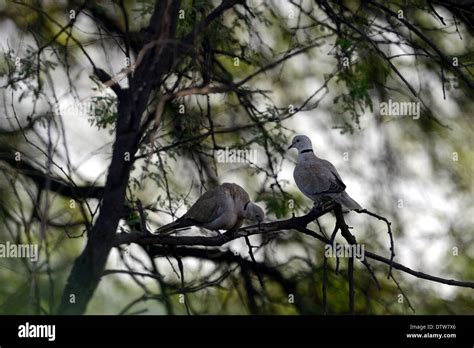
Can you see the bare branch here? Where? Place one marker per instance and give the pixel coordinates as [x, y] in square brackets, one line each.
[294, 223]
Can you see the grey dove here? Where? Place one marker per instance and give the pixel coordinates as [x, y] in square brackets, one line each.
[223, 208]
[317, 178]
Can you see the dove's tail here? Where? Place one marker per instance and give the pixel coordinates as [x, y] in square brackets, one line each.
[346, 201]
[175, 225]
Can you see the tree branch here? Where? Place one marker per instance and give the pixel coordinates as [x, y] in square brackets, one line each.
[294, 223]
[89, 266]
[43, 180]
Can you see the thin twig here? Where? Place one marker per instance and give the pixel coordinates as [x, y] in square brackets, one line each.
[350, 276]
[142, 217]
[325, 279]
[403, 293]
[389, 231]
[181, 271]
[259, 276]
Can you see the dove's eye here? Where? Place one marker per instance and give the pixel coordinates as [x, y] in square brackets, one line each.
[298, 141]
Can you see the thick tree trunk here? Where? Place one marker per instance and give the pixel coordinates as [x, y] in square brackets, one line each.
[89, 266]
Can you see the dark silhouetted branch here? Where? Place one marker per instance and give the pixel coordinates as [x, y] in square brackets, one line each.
[294, 223]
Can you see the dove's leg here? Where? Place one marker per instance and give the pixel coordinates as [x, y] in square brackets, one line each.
[323, 203]
[334, 233]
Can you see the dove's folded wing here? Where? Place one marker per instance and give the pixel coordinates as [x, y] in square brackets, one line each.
[208, 207]
[314, 178]
[333, 170]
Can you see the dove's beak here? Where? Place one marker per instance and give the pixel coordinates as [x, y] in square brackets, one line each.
[289, 147]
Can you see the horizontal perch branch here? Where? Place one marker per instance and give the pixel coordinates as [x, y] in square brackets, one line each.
[396, 265]
[276, 226]
[295, 223]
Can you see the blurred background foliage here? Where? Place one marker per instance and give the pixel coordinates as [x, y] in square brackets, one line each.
[416, 172]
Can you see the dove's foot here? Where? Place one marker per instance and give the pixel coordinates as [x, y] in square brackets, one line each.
[324, 205]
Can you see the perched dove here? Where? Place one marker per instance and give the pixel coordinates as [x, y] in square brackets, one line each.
[223, 208]
[318, 179]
